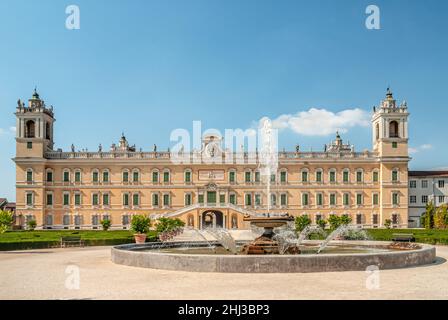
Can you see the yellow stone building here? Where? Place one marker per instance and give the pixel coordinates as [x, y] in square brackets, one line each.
[77, 189]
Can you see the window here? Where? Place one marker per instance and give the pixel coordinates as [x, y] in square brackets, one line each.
[135, 176]
[49, 220]
[105, 199]
[395, 198]
[29, 145]
[304, 176]
[126, 199]
[375, 218]
[29, 175]
[424, 183]
[95, 176]
[166, 176]
[95, 220]
[394, 218]
[394, 176]
[375, 176]
[359, 176]
[359, 200]
[283, 199]
[222, 198]
[318, 217]
[319, 176]
[125, 220]
[248, 199]
[232, 198]
[332, 176]
[106, 176]
[441, 183]
[305, 200]
[66, 220]
[346, 199]
[49, 199]
[394, 145]
[155, 200]
[77, 199]
[375, 199]
[393, 129]
[30, 129]
[359, 218]
[332, 199]
[283, 176]
[188, 199]
[412, 184]
[413, 199]
[273, 177]
[257, 199]
[155, 177]
[257, 176]
[247, 176]
[441, 199]
[273, 200]
[201, 198]
[66, 199]
[345, 176]
[187, 176]
[166, 199]
[78, 176]
[232, 176]
[95, 199]
[319, 199]
[135, 199]
[66, 176]
[125, 176]
[49, 176]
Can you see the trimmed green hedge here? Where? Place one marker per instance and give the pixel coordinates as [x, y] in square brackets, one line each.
[23, 240]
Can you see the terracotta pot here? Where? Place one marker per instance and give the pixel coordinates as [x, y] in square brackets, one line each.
[140, 238]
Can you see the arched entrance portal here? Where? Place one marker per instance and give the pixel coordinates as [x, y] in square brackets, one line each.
[212, 219]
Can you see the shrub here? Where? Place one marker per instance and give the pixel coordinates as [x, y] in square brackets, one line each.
[387, 223]
[106, 223]
[140, 224]
[429, 216]
[334, 221]
[6, 220]
[441, 217]
[322, 223]
[301, 222]
[345, 219]
[31, 224]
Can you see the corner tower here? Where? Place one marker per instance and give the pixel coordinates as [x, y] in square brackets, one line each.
[390, 128]
[34, 124]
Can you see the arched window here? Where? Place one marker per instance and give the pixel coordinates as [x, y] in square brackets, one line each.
[30, 131]
[47, 131]
[135, 175]
[393, 129]
[377, 131]
[29, 175]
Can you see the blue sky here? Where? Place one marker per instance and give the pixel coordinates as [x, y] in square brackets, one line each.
[148, 67]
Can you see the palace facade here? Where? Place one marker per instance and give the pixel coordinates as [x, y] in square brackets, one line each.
[77, 189]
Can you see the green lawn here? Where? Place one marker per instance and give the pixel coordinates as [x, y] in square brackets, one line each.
[421, 235]
[16, 240]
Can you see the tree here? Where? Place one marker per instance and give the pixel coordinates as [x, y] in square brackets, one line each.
[345, 219]
[302, 222]
[441, 217]
[31, 224]
[106, 223]
[322, 223]
[429, 215]
[334, 221]
[6, 220]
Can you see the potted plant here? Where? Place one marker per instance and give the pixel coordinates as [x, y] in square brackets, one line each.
[140, 226]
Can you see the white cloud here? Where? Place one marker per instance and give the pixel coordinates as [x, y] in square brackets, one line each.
[413, 150]
[13, 129]
[321, 122]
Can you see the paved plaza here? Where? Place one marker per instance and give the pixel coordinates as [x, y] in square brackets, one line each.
[50, 274]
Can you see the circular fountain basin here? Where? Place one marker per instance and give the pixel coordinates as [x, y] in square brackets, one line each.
[350, 256]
